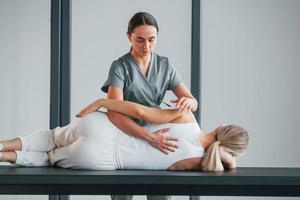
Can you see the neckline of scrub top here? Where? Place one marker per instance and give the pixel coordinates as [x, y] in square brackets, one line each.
[147, 77]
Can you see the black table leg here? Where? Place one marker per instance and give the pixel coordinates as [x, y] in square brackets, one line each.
[59, 197]
[195, 198]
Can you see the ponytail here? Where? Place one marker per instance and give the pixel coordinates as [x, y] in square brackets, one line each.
[212, 161]
[233, 138]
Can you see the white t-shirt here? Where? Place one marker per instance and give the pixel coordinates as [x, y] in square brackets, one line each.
[136, 153]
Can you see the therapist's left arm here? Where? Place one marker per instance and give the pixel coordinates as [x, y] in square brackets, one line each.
[185, 98]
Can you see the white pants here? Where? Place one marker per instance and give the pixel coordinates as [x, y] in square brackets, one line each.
[87, 143]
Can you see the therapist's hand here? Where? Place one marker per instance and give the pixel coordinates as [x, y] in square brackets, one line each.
[163, 142]
[185, 103]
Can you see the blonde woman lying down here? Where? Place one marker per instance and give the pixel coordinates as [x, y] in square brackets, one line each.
[93, 142]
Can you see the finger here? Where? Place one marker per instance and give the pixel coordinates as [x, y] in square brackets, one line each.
[167, 148]
[173, 100]
[171, 144]
[171, 138]
[179, 102]
[185, 102]
[80, 114]
[188, 106]
[164, 130]
[164, 150]
[83, 112]
[159, 147]
[183, 107]
[188, 109]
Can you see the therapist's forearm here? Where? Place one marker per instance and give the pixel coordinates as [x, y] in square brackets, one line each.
[128, 126]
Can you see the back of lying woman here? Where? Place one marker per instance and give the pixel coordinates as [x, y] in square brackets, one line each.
[93, 142]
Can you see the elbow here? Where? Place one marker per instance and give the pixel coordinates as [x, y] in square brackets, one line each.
[139, 113]
[113, 116]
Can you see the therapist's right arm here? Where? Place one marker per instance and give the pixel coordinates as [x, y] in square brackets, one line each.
[157, 139]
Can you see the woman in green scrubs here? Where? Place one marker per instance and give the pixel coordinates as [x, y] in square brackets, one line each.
[143, 76]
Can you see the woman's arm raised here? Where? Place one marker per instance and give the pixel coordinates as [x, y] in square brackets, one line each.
[152, 115]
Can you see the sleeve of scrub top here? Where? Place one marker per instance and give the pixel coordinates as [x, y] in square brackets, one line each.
[174, 78]
[116, 77]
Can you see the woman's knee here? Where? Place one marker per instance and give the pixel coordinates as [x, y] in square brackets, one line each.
[38, 141]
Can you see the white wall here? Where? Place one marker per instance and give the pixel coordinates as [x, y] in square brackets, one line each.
[24, 65]
[250, 76]
[24, 70]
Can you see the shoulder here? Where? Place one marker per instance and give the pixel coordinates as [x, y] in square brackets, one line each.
[163, 61]
[124, 58]
[160, 58]
[123, 63]
[119, 64]
[121, 60]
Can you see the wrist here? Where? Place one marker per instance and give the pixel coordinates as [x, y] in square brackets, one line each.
[99, 103]
[149, 137]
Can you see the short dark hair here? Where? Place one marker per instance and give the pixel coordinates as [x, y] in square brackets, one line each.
[141, 18]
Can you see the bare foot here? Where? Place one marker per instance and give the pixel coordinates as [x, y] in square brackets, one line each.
[10, 145]
[9, 156]
[227, 158]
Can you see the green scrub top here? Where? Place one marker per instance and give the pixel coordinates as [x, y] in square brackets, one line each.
[146, 90]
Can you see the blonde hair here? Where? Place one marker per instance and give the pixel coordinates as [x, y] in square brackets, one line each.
[233, 138]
